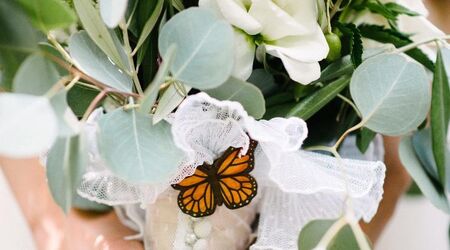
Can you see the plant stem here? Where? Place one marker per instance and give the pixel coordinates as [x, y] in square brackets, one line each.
[73, 82]
[60, 49]
[128, 51]
[57, 86]
[349, 102]
[348, 131]
[416, 44]
[93, 104]
[331, 233]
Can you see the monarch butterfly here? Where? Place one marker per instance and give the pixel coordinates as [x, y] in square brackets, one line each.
[227, 181]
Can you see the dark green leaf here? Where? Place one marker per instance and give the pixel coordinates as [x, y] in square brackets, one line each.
[384, 35]
[377, 7]
[79, 97]
[313, 103]
[356, 48]
[263, 80]
[400, 9]
[48, 14]
[440, 115]
[364, 138]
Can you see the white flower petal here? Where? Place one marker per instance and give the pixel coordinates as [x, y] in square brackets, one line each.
[244, 53]
[304, 11]
[276, 22]
[235, 13]
[301, 72]
[310, 48]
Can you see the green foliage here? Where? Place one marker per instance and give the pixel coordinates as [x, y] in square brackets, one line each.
[355, 43]
[79, 97]
[378, 89]
[364, 138]
[98, 32]
[136, 150]
[47, 15]
[420, 176]
[440, 115]
[170, 99]
[313, 232]
[66, 164]
[263, 80]
[150, 23]
[204, 57]
[335, 45]
[96, 64]
[398, 39]
[313, 103]
[245, 93]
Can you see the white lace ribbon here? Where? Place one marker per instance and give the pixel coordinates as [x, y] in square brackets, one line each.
[295, 186]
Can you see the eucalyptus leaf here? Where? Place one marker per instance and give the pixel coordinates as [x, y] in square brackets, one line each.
[48, 14]
[91, 60]
[150, 23]
[245, 93]
[68, 124]
[314, 102]
[112, 11]
[204, 57]
[23, 117]
[169, 100]
[426, 185]
[421, 141]
[392, 94]
[135, 149]
[66, 164]
[35, 76]
[440, 115]
[263, 80]
[313, 232]
[98, 32]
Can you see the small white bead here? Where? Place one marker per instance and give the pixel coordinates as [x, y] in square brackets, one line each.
[201, 244]
[190, 239]
[202, 228]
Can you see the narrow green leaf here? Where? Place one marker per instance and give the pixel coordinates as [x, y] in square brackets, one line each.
[313, 103]
[169, 100]
[421, 141]
[440, 115]
[414, 168]
[400, 9]
[245, 93]
[48, 14]
[66, 164]
[150, 24]
[364, 138]
[135, 149]
[151, 93]
[377, 7]
[98, 32]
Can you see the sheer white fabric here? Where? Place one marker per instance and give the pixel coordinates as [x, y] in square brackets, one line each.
[295, 186]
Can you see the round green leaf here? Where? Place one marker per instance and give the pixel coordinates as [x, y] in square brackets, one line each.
[392, 94]
[243, 92]
[137, 150]
[204, 55]
[28, 126]
[35, 76]
[96, 64]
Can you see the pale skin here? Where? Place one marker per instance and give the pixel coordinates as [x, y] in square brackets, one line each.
[52, 230]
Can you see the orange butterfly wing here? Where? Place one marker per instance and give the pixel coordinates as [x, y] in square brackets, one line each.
[237, 186]
[196, 196]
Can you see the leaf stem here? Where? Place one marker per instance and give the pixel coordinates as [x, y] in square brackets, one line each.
[128, 51]
[416, 44]
[94, 104]
[60, 49]
[331, 233]
[349, 102]
[347, 132]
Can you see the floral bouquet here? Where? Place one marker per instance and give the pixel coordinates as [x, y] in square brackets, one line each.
[220, 124]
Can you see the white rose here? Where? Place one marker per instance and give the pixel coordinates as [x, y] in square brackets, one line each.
[287, 29]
